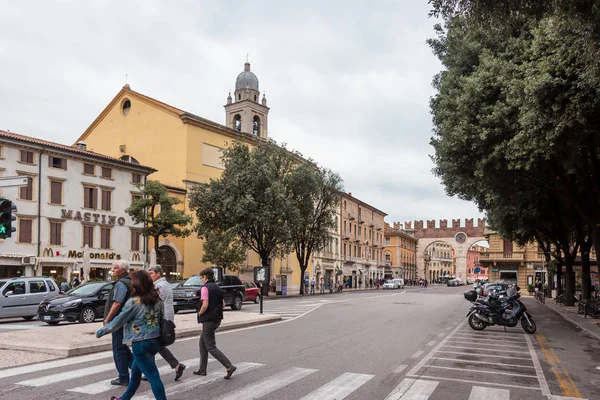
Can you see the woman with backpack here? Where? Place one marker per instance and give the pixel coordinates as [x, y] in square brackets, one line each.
[141, 318]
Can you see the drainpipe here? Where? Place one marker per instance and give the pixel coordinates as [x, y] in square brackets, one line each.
[39, 213]
[145, 226]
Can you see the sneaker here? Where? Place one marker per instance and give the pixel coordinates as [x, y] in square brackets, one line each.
[230, 371]
[115, 398]
[179, 371]
[117, 382]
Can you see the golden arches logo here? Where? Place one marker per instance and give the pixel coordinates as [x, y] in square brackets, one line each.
[48, 252]
[135, 257]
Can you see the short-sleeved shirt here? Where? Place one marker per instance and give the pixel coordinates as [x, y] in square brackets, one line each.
[204, 293]
[120, 292]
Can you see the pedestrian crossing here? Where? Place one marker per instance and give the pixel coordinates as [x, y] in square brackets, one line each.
[92, 382]
[291, 311]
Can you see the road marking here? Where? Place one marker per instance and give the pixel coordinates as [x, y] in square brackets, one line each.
[431, 343]
[5, 373]
[463, 337]
[448, 328]
[400, 368]
[413, 389]
[565, 382]
[16, 327]
[480, 371]
[440, 335]
[105, 385]
[489, 344]
[476, 382]
[484, 362]
[486, 393]
[417, 354]
[269, 385]
[484, 355]
[487, 349]
[193, 382]
[64, 376]
[339, 388]
[538, 368]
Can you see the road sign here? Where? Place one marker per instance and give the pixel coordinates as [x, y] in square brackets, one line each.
[477, 270]
[13, 181]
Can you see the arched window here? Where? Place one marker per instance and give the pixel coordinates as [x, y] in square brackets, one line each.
[237, 123]
[256, 126]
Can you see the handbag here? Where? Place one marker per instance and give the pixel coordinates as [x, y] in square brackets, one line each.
[167, 329]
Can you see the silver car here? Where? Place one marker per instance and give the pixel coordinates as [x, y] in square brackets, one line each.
[20, 297]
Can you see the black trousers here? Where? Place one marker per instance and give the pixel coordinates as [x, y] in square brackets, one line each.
[208, 345]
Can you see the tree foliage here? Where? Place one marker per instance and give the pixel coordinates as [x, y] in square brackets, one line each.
[156, 211]
[224, 249]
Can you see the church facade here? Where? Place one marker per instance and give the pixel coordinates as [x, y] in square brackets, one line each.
[185, 149]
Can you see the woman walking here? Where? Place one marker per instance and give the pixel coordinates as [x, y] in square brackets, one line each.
[141, 318]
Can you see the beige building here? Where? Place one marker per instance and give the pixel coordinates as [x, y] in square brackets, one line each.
[327, 263]
[399, 252]
[362, 231]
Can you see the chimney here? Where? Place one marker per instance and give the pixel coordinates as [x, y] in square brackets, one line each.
[81, 146]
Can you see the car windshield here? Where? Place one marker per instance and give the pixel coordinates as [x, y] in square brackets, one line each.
[193, 281]
[85, 290]
[2, 283]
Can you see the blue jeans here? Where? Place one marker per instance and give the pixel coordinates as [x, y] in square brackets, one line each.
[121, 355]
[144, 352]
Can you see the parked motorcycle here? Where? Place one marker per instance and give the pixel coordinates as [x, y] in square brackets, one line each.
[499, 310]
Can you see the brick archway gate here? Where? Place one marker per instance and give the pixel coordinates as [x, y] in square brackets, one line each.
[461, 238]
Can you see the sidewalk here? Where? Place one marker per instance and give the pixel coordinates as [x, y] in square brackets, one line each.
[76, 339]
[589, 325]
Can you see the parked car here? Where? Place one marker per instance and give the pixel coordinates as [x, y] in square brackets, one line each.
[390, 284]
[399, 282]
[175, 284]
[252, 291]
[186, 296]
[85, 304]
[21, 296]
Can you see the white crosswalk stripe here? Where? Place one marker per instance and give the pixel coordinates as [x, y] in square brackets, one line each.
[487, 393]
[269, 385]
[339, 388]
[293, 311]
[413, 389]
[63, 376]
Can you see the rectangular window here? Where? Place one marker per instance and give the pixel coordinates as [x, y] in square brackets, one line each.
[57, 162]
[136, 178]
[135, 240]
[105, 238]
[55, 192]
[134, 197]
[106, 199]
[27, 157]
[106, 172]
[25, 230]
[90, 197]
[88, 236]
[508, 246]
[26, 192]
[56, 233]
[89, 169]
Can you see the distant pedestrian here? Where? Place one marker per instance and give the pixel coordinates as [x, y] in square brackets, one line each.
[166, 295]
[64, 286]
[322, 286]
[115, 301]
[312, 286]
[210, 315]
[377, 282]
[140, 318]
[360, 283]
[330, 285]
[75, 282]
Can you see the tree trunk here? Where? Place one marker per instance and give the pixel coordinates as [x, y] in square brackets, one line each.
[569, 284]
[302, 270]
[264, 259]
[586, 279]
[559, 279]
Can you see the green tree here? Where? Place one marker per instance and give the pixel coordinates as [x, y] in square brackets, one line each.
[249, 199]
[224, 249]
[314, 195]
[155, 210]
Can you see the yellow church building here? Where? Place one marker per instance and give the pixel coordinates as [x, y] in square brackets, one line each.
[185, 149]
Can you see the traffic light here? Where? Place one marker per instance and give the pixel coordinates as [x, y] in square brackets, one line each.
[7, 210]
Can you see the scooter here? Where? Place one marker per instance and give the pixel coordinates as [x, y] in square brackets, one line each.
[492, 310]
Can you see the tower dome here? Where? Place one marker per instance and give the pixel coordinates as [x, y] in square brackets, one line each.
[246, 80]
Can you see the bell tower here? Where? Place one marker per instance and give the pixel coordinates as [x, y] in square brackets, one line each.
[246, 111]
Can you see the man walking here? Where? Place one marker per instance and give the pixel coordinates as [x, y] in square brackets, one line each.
[166, 295]
[117, 297]
[210, 314]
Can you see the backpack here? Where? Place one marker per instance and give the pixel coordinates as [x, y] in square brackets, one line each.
[167, 329]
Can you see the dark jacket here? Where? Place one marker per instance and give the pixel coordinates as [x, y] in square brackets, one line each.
[109, 302]
[214, 312]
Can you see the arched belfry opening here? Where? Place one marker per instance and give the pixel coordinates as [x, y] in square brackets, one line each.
[243, 111]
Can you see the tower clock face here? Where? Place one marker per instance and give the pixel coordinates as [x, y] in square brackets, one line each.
[460, 237]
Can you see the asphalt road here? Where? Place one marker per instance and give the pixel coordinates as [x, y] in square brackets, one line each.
[404, 344]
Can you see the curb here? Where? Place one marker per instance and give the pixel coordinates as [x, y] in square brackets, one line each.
[574, 322]
[183, 333]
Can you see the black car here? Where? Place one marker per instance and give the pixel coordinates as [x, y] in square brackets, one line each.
[185, 297]
[84, 303]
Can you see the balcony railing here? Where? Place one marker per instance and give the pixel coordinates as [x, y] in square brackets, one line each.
[498, 255]
[351, 215]
[347, 235]
[357, 237]
[377, 243]
[326, 255]
[371, 223]
[378, 226]
[361, 219]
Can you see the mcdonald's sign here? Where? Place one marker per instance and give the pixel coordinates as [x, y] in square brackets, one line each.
[135, 257]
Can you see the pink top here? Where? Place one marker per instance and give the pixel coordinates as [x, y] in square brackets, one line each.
[204, 293]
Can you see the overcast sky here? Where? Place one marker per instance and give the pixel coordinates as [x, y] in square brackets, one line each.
[348, 82]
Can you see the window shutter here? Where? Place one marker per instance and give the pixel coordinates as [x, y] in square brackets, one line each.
[94, 198]
[49, 161]
[56, 192]
[58, 233]
[64, 163]
[52, 233]
[86, 197]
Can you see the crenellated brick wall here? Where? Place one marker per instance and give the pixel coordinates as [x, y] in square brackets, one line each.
[429, 230]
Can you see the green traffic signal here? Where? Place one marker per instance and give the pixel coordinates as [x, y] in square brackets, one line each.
[6, 218]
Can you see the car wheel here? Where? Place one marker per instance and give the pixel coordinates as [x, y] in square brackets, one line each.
[257, 299]
[88, 315]
[237, 303]
[29, 317]
[54, 323]
[176, 311]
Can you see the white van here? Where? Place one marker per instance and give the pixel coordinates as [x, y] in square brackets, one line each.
[20, 297]
[399, 282]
